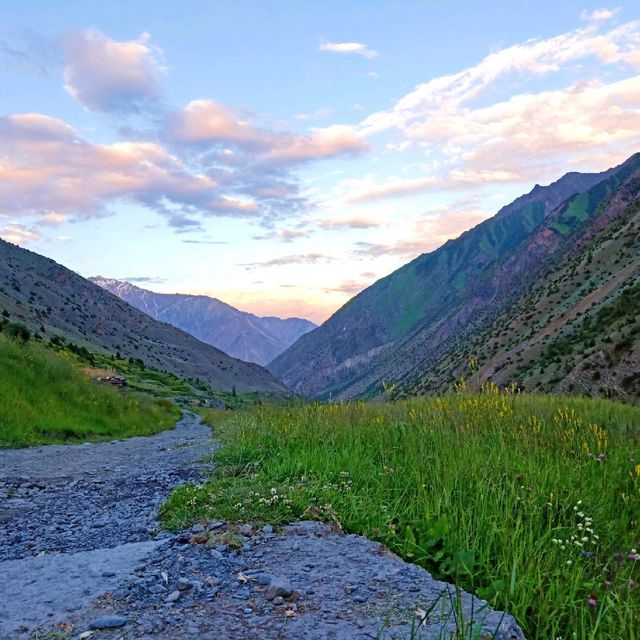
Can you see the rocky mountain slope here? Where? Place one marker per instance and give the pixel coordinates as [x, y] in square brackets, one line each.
[414, 327]
[53, 300]
[238, 333]
[576, 329]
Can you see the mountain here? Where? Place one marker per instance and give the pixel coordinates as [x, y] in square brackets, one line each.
[240, 334]
[417, 327]
[56, 301]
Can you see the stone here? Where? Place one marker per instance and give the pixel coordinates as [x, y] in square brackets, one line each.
[279, 586]
[278, 600]
[263, 579]
[108, 622]
[245, 530]
[173, 596]
[198, 528]
[184, 584]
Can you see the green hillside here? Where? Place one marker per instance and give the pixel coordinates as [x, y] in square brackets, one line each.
[416, 321]
[45, 398]
[576, 329]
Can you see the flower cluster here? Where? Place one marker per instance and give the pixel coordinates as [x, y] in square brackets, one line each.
[583, 535]
[270, 500]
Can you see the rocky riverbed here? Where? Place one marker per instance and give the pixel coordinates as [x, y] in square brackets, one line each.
[82, 556]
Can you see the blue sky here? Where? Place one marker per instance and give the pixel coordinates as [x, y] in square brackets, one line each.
[282, 156]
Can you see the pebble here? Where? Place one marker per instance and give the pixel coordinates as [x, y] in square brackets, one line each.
[184, 584]
[108, 622]
[198, 528]
[278, 600]
[173, 596]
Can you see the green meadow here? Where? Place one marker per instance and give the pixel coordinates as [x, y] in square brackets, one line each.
[531, 502]
[46, 398]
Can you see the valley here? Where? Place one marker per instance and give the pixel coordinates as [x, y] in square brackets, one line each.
[239, 334]
[493, 400]
[319, 321]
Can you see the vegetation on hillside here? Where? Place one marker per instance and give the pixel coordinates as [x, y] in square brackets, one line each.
[576, 330]
[45, 398]
[532, 502]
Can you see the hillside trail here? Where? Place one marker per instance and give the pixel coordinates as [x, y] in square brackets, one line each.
[82, 556]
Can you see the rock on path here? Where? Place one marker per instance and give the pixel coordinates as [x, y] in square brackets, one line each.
[91, 509]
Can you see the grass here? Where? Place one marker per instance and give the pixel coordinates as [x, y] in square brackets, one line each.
[45, 398]
[532, 502]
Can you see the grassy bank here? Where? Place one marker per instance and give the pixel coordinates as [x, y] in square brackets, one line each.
[45, 398]
[531, 502]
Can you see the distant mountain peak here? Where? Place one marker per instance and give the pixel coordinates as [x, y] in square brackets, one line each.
[55, 301]
[239, 333]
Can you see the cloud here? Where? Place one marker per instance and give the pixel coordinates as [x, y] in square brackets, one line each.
[253, 161]
[321, 112]
[28, 50]
[306, 258]
[428, 233]
[348, 47]
[285, 235]
[110, 76]
[45, 165]
[205, 242]
[53, 218]
[145, 279]
[18, 233]
[370, 189]
[350, 287]
[473, 138]
[354, 222]
[599, 14]
[210, 124]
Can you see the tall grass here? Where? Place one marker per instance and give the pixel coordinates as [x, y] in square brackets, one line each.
[44, 398]
[530, 501]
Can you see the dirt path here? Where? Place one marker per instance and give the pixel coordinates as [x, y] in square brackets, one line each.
[80, 553]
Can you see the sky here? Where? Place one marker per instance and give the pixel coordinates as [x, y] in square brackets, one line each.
[283, 156]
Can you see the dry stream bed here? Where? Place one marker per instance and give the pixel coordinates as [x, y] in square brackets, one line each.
[82, 556]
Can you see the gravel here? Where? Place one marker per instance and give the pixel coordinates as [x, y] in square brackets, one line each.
[306, 581]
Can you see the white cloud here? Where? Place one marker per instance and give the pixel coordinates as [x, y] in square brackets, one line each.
[208, 123]
[599, 14]
[53, 218]
[528, 135]
[44, 163]
[111, 76]
[348, 47]
[18, 233]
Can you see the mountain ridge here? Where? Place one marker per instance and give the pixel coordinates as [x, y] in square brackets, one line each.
[53, 300]
[435, 296]
[238, 333]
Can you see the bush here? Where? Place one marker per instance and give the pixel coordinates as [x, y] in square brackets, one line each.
[16, 331]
